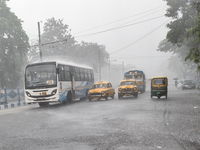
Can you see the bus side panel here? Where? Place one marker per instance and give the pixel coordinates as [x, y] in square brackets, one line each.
[82, 87]
[65, 87]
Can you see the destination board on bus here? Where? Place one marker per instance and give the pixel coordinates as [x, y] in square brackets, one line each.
[133, 72]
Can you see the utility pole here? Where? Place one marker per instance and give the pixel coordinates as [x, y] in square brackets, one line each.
[109, 67]
[99, 65]
[123, 67]
[39, 43]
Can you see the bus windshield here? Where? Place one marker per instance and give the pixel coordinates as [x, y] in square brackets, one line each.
[43, 75]
[137, 77]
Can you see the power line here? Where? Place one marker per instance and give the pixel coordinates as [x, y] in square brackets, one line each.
[131, 57]
[141, 37]
[119, 20]
[65, 40]
[119, 27]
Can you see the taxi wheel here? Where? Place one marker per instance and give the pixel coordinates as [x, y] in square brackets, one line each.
[106, 98]
[136, 95]
[113, 96]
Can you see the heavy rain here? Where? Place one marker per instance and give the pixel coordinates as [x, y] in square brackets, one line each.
[99, 75]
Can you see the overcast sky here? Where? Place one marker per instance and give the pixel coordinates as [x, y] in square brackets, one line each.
[143, 21]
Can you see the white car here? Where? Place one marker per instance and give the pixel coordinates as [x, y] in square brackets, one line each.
[186, 84]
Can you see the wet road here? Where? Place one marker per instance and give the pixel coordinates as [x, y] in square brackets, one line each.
[127, 124]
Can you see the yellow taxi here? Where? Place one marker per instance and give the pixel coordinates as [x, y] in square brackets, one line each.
[127, 87]
[100, 90]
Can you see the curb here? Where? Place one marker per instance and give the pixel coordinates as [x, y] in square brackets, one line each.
[6, 106]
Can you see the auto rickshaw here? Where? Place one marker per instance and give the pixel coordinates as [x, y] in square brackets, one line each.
[159, 86]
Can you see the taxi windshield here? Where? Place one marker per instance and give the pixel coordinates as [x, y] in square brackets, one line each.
[99, 86]
[127, 83]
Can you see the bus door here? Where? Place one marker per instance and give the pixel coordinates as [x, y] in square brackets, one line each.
[73, 85]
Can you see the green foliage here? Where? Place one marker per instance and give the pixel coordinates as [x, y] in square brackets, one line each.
[13, 48]
[183, 37]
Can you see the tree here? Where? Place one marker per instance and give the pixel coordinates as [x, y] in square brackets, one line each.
[54, 46]
[180, 67]
[56, 41]
[177, 62]
[13, 48]
[185, 27]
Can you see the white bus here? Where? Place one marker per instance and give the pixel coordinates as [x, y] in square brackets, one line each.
[47, 82]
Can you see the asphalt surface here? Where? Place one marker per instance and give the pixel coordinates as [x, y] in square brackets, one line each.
[127, 124]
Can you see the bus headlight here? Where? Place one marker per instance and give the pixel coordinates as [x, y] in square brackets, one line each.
[28, 94]
[54, 92]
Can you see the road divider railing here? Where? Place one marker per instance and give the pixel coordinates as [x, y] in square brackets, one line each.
[10, 98]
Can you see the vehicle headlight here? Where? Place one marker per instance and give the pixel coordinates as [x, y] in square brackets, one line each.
[88, 92]
[102, 92]
[28, 94]
[54, 92]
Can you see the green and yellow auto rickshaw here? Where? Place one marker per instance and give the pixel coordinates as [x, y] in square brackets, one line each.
[159, 86]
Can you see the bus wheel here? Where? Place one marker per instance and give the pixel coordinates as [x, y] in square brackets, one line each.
[43, 104]
[86, 95]
[69, 97]
[106, 98]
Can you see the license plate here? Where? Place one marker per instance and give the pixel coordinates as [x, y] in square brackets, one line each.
[127, 92]
[44, 93]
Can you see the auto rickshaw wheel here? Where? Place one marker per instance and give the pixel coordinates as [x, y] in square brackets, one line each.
[158, 97]
[166, 96]
[151, 96]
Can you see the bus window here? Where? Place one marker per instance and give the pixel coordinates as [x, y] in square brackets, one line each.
[67, 73]
[77, 74]
[86, 76]
[61, 73]
[82, 76]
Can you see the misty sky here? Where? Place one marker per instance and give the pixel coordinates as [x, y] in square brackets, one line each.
[134, 44]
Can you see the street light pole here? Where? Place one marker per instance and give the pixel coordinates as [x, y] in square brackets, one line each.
[99, 66]
[123, 67]
[109, 67]
[39, 44]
